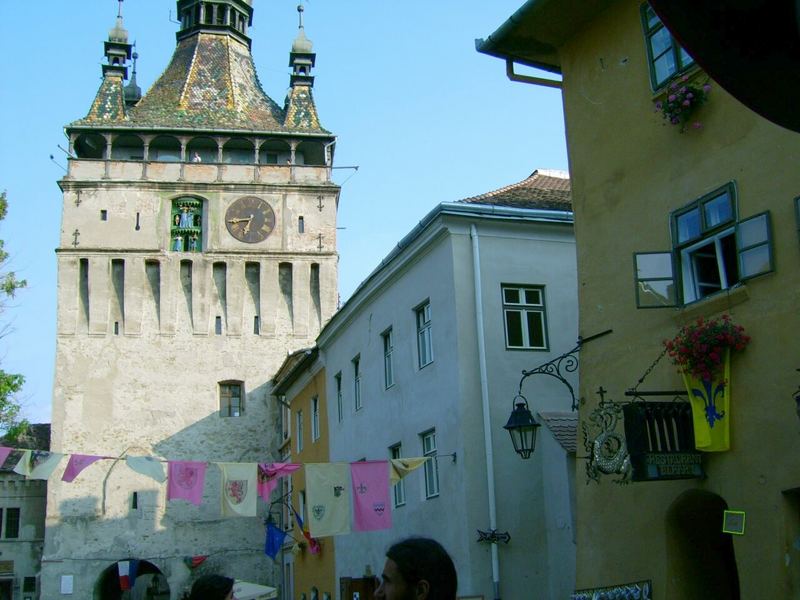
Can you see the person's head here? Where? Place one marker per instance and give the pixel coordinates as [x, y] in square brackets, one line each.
[418, 569]
[212, 587]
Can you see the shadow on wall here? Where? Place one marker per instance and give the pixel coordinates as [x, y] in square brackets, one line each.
[128, 517]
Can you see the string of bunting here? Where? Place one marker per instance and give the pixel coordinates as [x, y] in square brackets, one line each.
[341, 497]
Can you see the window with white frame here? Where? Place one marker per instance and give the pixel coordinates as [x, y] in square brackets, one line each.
[285, 484]
[357, 381]
[524, 317]
[340, 409]
[388, 367]
[424, 334]
[299, 431]
[431, 466]
[286, 417]
[712, 251]
[399, 488]
[665, 57]
[314, 419]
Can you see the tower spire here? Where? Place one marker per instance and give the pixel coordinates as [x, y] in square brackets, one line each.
[132, 91]
[117, 48]
[302, 56]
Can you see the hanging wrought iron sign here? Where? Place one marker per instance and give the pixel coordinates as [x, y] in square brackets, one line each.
[660, 435]
[608, 453]
[660, 441]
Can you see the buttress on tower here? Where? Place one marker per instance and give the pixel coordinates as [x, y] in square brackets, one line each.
[197, 249]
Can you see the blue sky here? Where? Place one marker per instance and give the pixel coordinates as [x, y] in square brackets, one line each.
[424, 116]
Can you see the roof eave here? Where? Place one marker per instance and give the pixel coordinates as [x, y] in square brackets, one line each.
[458, 209]
[534, 33]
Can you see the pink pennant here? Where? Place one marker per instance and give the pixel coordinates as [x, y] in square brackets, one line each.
[268, 475]
[371, 507]
[4, 452]
[76, 464]
[186, 481]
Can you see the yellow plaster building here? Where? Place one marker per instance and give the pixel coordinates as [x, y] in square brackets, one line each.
[674, 222]
[300, 387]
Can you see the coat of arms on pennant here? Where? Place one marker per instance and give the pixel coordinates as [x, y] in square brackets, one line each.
[318, 511]
[187, 477]
[236, 490]
[379, 507]
[38, 457]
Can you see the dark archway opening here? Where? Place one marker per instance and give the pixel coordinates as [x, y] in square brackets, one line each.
[147, 580]
[701, 563]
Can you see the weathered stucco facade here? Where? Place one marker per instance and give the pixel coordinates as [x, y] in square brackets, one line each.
[457, 266]
[169, 331]
[632, 173]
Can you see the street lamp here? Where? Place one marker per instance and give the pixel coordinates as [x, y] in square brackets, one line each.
[521, 424]
[522, 427]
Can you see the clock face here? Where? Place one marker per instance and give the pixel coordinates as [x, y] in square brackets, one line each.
[250, 219]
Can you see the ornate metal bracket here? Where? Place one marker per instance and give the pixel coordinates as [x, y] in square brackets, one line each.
[566, 363]
[493, 536]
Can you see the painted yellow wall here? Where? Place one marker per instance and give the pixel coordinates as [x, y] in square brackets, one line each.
[311, 570]
[629, 171]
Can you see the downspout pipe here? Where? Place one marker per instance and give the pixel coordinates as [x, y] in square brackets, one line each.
[487, 422]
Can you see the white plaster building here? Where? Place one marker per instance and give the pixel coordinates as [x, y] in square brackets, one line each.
[404, 378]
[22, 510]
[197, 249]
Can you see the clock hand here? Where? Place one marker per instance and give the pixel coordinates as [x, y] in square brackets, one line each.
[246, 229]
[240, 220]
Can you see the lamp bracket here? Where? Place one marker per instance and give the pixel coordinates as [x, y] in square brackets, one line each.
[559, 366]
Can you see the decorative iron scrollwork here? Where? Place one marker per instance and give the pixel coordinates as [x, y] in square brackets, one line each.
[493, 536]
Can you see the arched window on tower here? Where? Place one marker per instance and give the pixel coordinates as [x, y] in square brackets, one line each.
[186, 225]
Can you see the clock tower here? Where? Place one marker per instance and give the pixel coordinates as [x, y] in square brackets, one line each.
[198, 248]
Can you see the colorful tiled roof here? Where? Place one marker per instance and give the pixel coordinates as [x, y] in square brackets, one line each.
[301, 112]
[210, 83]
[109, 103]
[549, 190]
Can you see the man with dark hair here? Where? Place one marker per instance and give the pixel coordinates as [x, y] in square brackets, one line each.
[418, 569]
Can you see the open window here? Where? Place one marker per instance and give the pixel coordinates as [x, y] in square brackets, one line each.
[712, 251]
[664, 56]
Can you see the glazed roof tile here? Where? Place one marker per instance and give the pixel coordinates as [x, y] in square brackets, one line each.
[210, 83]
[109, 103]
[301, 112]
[549, 190]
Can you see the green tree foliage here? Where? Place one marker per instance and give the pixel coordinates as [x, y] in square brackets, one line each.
[10, 383]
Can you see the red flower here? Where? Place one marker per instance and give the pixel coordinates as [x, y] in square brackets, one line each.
[698, 348]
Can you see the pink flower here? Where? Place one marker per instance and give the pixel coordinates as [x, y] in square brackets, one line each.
[707, 87]
[672, 97]
[686, 103]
